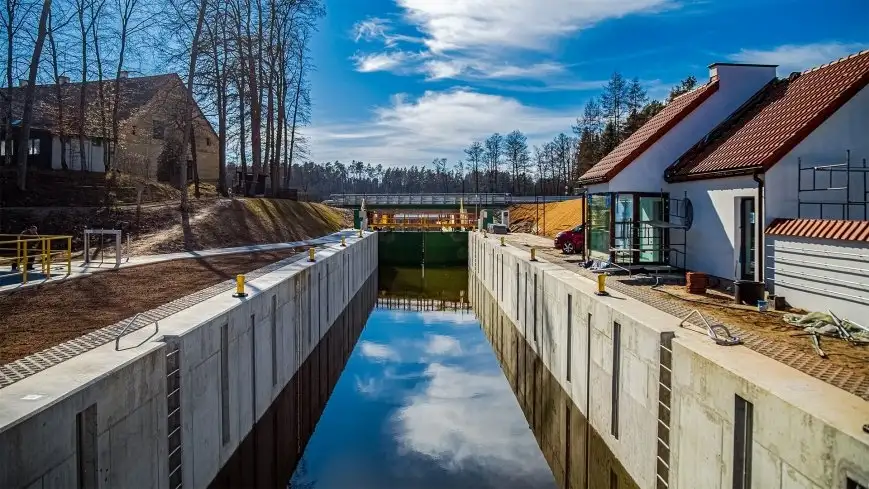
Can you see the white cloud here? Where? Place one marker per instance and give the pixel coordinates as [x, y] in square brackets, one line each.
[370, 29]
[451, 25]
[386, 61]
[442, 345]
[378, 352]
[460, 68]
[463, 418]
[437, 124]
[798, 57]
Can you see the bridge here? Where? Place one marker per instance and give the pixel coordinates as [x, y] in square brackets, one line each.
[439, 200]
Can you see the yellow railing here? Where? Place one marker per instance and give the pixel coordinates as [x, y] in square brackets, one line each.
[20, 251]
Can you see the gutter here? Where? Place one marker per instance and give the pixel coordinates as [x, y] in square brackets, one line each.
[760, 241]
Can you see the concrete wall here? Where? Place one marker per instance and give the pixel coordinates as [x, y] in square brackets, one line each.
[234, 362]
[810, 431]
[821, 275]
[591, 344]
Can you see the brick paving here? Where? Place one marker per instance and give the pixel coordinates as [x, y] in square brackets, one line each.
[813, 365]
[24, 367]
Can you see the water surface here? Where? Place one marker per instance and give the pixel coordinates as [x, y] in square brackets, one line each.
[422, 402]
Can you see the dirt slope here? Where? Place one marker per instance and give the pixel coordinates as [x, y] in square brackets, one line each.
[236, 222]
[557, 216]
[214, 222]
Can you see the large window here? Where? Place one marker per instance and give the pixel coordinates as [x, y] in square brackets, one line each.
[624, 228]
[651, 237]
[599, 225]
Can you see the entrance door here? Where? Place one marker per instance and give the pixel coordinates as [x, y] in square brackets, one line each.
[747, 232]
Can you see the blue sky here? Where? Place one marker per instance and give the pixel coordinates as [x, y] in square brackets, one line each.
[400, 82]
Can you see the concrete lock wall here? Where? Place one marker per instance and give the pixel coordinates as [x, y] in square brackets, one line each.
[664, 400]
[102, 419]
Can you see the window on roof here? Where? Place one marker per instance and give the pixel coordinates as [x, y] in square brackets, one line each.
[159, 129]
[208, 141]
[33, 147]
[134, 130]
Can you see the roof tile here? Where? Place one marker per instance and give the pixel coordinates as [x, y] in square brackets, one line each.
[821, 229]
[632, 147]
[775, 120]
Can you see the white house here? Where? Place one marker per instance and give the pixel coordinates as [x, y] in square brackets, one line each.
[626, 206]
[779, 188]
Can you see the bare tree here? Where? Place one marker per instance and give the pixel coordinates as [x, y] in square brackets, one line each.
[27, 112]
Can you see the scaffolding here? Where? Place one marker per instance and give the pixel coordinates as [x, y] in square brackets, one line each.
[832, 181]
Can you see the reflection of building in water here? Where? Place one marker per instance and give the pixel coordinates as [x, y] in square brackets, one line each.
[445, 285]
[577, 455]
[404, 303]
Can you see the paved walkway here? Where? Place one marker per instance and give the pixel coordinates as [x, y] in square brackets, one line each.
[813, 365]
[80, 269]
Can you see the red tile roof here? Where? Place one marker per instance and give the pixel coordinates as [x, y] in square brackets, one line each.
[820, 228]
[774, 121]
[632, 147]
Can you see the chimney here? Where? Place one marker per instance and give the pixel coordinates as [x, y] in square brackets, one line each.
[740, 73]
[62, 80]
[124, 74]
[22, 82]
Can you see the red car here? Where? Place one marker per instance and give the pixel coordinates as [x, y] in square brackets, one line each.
[571, 241]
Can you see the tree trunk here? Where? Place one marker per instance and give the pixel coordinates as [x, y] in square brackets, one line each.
[27, 113]
[59, 94]
[195, 161]
[82, 94]
[188, 110]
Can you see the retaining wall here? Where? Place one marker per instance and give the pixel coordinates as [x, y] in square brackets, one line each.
[664, 399]
[171, 409]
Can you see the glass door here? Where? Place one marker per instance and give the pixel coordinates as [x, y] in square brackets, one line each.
[624, 229]
[651, 238]
[599, 207]
[747, 239]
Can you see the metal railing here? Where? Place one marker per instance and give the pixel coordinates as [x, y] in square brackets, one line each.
[454, 199]
[22, 252]
[422, 222]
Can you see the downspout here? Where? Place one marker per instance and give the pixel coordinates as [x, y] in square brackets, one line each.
[760, 241]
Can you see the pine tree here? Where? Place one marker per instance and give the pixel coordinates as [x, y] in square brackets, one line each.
[683, 87]
[613, 103]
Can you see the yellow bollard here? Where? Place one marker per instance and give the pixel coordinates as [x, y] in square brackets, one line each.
[502, 241]
[239, 286]
[343, 242]
[311, 254]
[23, 266]
[601, 285]
[533, 254]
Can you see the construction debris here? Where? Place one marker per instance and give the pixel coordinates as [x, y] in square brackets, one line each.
[819, 323]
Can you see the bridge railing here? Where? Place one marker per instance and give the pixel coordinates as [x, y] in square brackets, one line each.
[452, 199]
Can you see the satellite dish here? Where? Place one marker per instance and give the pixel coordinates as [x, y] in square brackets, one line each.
[689, 213]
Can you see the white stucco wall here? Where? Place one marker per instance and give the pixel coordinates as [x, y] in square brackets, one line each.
[713, 240]
[736, 85]
[846, 129]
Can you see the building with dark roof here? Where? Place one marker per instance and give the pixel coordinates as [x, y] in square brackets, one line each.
[149, 115]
